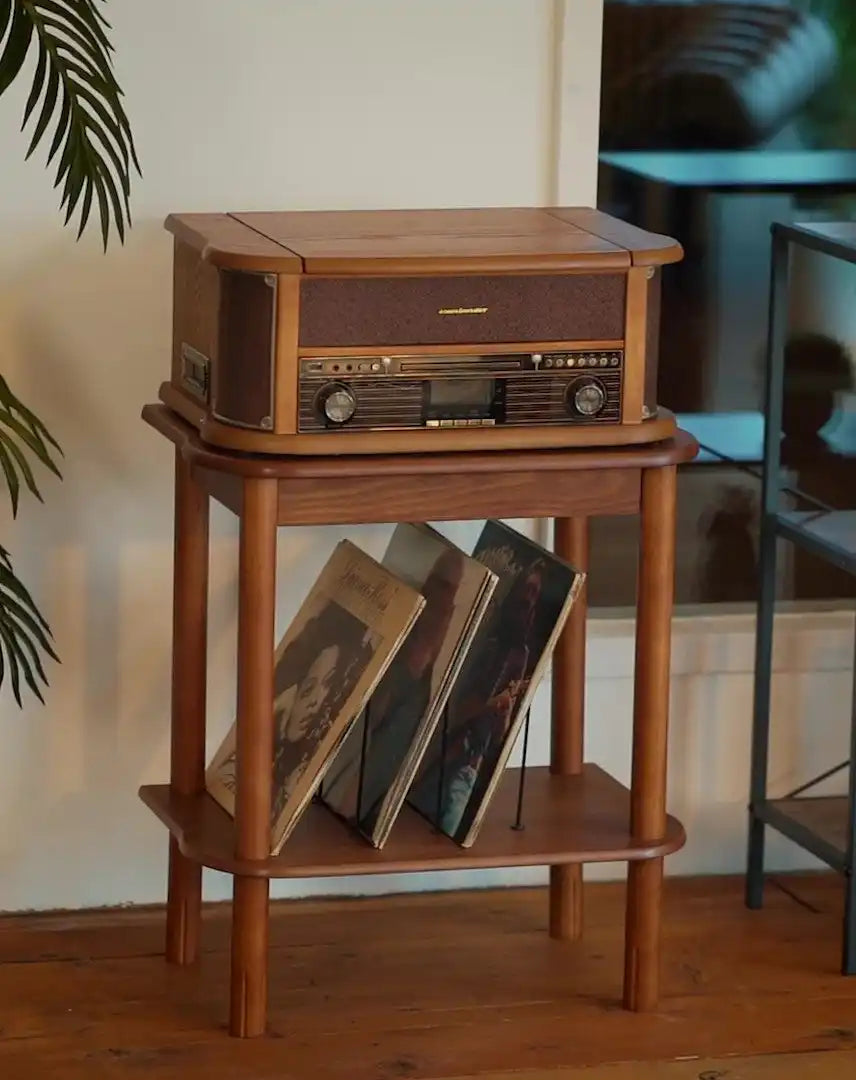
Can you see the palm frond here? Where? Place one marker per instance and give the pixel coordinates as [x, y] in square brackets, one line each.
[80, 96]
[24, 634]
[21, 431]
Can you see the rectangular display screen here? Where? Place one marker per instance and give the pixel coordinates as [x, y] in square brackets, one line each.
[467, 393]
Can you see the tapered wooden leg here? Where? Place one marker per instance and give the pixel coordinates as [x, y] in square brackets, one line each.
[184, 907]
[566, 759]
[655, 597]
[566, 901]
[189, 671]
[248, 1015]
[642, 956]
[254, 753]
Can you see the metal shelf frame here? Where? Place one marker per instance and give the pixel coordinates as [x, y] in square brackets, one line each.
[825, 827]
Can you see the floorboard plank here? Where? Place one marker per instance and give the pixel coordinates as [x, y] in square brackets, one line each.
[825, 1066]
[441, 986]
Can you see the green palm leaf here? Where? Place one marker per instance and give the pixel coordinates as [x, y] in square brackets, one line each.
[21, 432]
[24, 634]
[80, 97]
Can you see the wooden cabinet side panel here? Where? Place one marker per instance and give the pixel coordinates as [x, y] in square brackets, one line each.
[635, 341]
[286, 363]
[652, 340]
[195, 308]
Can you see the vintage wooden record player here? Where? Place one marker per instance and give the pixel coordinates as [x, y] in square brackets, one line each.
[359, 332]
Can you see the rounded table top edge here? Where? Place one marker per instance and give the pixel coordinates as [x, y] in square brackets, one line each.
[680, 448]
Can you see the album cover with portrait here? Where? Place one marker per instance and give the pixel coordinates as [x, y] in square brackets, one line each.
[372, 771]
[331, 658]
[469, 750]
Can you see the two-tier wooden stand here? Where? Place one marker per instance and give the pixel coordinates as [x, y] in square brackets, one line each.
[575, 813]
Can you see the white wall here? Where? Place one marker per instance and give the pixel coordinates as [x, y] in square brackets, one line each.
[306, 104]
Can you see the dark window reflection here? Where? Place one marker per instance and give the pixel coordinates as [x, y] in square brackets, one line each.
[719, 118]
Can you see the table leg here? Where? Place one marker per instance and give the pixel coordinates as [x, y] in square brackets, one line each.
[759, 758]
[568, 709]
[189, 674]
[848, 952]
[254, 753]
[655, 596]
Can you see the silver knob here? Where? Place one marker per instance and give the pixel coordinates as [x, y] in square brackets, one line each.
[586, 397]
[337, 402]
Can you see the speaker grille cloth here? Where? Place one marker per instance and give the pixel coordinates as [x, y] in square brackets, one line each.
[407, 311]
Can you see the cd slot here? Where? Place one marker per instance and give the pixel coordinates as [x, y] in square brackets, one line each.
[470, 365]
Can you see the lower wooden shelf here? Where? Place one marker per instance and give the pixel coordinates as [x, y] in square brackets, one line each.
[567, 819]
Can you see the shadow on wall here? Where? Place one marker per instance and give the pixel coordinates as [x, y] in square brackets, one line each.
[85, 339]
[85, 342]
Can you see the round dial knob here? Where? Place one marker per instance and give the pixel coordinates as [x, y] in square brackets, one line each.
[336, 403]
[586, 397]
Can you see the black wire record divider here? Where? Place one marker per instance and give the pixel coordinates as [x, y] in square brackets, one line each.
[518, 824]
[823, 825]
[518, 821]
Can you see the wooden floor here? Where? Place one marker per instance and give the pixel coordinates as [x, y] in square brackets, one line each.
[448, 985]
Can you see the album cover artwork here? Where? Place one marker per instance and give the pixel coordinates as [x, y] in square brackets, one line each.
[335, 651]
[376, 764]
[488, 704]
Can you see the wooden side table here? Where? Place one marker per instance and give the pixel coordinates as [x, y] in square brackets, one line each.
[575, 812]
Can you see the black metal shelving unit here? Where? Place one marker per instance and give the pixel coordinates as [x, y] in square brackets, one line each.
[823, 825]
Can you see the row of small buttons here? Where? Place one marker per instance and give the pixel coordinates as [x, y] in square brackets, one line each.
[581, 361]
[461, 423]
[339, 366]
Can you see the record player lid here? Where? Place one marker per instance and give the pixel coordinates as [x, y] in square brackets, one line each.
[371, 242]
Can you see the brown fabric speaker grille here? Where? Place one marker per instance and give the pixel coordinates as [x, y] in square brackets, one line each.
[374, 312]
[243, 378]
